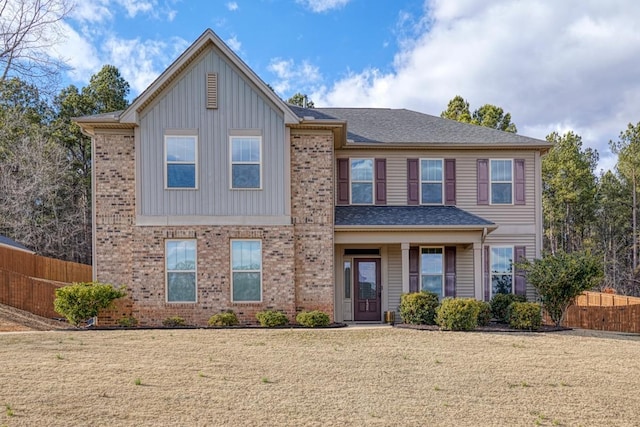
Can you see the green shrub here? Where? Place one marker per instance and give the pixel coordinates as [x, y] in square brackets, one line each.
[128, 322]
[524, 315]
[484, 312]
[560, 278]
[419, 308]
[173, 321]
[227, 318]
[271, 318]
[458, 314]
[313, 319]
[79, 302]
[500, 303]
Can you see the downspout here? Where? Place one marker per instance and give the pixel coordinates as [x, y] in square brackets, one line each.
[483, 262]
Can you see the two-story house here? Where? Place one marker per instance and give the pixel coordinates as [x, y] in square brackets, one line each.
[210, 194]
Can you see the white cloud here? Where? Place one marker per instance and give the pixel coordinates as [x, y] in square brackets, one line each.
[133, 7]
[318, 6]
[572, 62]
[234, 44]
[141, 61]
[92, 11]
[77, 52]
[292, 77]
[232, 6]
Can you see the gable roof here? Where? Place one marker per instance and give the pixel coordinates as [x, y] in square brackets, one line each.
[433, 217]
[407, 127]
[10, 243]
[207, 39]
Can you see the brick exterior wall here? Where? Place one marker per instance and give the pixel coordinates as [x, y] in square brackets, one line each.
[297, 260]
[312, 175]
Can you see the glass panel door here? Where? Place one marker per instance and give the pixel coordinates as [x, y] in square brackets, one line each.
[367, 289]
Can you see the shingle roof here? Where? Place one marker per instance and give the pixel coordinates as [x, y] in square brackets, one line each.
[436, 216]
[401, 126]
[5, 241]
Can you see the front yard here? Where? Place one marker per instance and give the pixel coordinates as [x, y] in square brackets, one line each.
[348, 376]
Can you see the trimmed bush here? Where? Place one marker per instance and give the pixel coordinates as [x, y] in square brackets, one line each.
[484, 312]
[313, 319]
[173, 321]
[501, 302]
[458, 314]
[419, 308]
[79, 302]
[128, 322]
[228, 318]
[524, 315]
[271, 318]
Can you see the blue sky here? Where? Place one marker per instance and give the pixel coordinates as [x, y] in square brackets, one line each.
[554, 65]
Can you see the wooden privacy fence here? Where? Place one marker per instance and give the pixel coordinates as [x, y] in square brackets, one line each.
[604, 312]
[28, 293]
[32, 265]
[29, 281]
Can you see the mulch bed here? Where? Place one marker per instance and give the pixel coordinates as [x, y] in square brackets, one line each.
[491, 327]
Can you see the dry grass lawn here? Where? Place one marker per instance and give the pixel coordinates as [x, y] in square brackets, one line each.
[350, 376]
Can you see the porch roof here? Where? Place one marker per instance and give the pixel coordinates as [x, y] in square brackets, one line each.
[407, 217]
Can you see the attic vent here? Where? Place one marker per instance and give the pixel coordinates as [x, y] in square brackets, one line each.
[212, 90]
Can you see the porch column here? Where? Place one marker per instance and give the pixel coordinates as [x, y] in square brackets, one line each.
[477, 271]
[405, 267]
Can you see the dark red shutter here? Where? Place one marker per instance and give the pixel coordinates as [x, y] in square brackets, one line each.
[450, 182]
[343, 182]
[518, 182]
[450, 271]
[519, 279]
[414, 269]
[413, 182]
[487, 274]
[483, 181]
[381, 181]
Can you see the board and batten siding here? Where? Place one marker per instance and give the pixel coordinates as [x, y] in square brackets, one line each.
[466, 180]
[240, 107]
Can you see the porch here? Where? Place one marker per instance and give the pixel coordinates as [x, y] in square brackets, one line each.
[382, 252]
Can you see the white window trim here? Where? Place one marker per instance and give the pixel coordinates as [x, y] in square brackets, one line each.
[245, 271]
[167, 162]
[420, 267]
[373, 181]
[441, 182]
[166, 273]
[231, 162]
[512, 274]
[512, 182]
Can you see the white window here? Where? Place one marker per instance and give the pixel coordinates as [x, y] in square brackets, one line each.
[431, 185]
[180, 270]
[361, 181]
[432, 270]
[246, 270]
[347, 279]
[501, 182]
[246, 162]
[501, 270]
[180, 161]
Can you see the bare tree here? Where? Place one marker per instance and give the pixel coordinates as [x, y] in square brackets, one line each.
[37, 201]
[28, 30]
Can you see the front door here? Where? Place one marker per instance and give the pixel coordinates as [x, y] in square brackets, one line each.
[367, 289]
